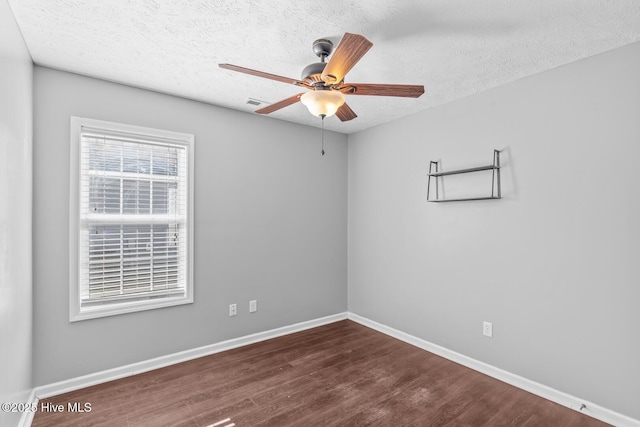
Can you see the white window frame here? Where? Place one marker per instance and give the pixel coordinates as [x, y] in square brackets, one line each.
[77, 311]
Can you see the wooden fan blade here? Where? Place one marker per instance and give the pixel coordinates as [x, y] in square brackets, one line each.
[262, 74]
[407, 91]
[345, 113]
[280, 104]
[351, 49]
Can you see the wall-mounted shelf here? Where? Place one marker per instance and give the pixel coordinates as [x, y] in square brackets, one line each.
[434, 172]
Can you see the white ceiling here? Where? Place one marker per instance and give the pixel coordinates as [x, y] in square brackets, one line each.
[453, 47]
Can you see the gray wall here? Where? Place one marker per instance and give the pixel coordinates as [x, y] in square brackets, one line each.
[554, 265]
[270, 224]
[15, 215]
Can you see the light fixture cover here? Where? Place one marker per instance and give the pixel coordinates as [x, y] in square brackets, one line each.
[323, 102]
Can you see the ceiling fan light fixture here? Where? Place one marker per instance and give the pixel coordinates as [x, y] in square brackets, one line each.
[326, 80]
[323, 102]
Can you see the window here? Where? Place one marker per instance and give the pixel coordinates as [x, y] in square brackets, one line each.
[131, 219]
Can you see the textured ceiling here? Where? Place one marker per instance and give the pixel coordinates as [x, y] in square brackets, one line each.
[453, 47]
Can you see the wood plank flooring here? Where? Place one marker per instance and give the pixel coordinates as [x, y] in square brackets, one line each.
[342, 374]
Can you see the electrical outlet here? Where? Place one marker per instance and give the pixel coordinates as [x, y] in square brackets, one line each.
[487, 329]
[233, 310]
[253, 306]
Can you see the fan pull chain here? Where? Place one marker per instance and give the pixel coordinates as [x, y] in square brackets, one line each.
[322, 116]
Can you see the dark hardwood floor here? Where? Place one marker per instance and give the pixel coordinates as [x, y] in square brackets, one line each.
[342, 374]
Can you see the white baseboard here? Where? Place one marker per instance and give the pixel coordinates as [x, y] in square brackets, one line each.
[71, 384]
[575, 403]
[541, 390]
[27, 416]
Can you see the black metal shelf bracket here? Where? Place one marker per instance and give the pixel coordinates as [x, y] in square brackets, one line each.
[437, 175]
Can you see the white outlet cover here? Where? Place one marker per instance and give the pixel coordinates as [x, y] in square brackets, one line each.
[487, 329]
[253, 306]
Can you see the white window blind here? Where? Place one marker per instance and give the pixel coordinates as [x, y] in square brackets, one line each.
[133, 204]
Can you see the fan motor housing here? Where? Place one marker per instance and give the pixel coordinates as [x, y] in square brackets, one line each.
[312, 73]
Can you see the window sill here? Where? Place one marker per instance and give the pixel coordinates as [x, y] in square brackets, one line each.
[93, 312]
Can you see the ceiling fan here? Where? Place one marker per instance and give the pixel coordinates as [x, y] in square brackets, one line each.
[325, 80]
